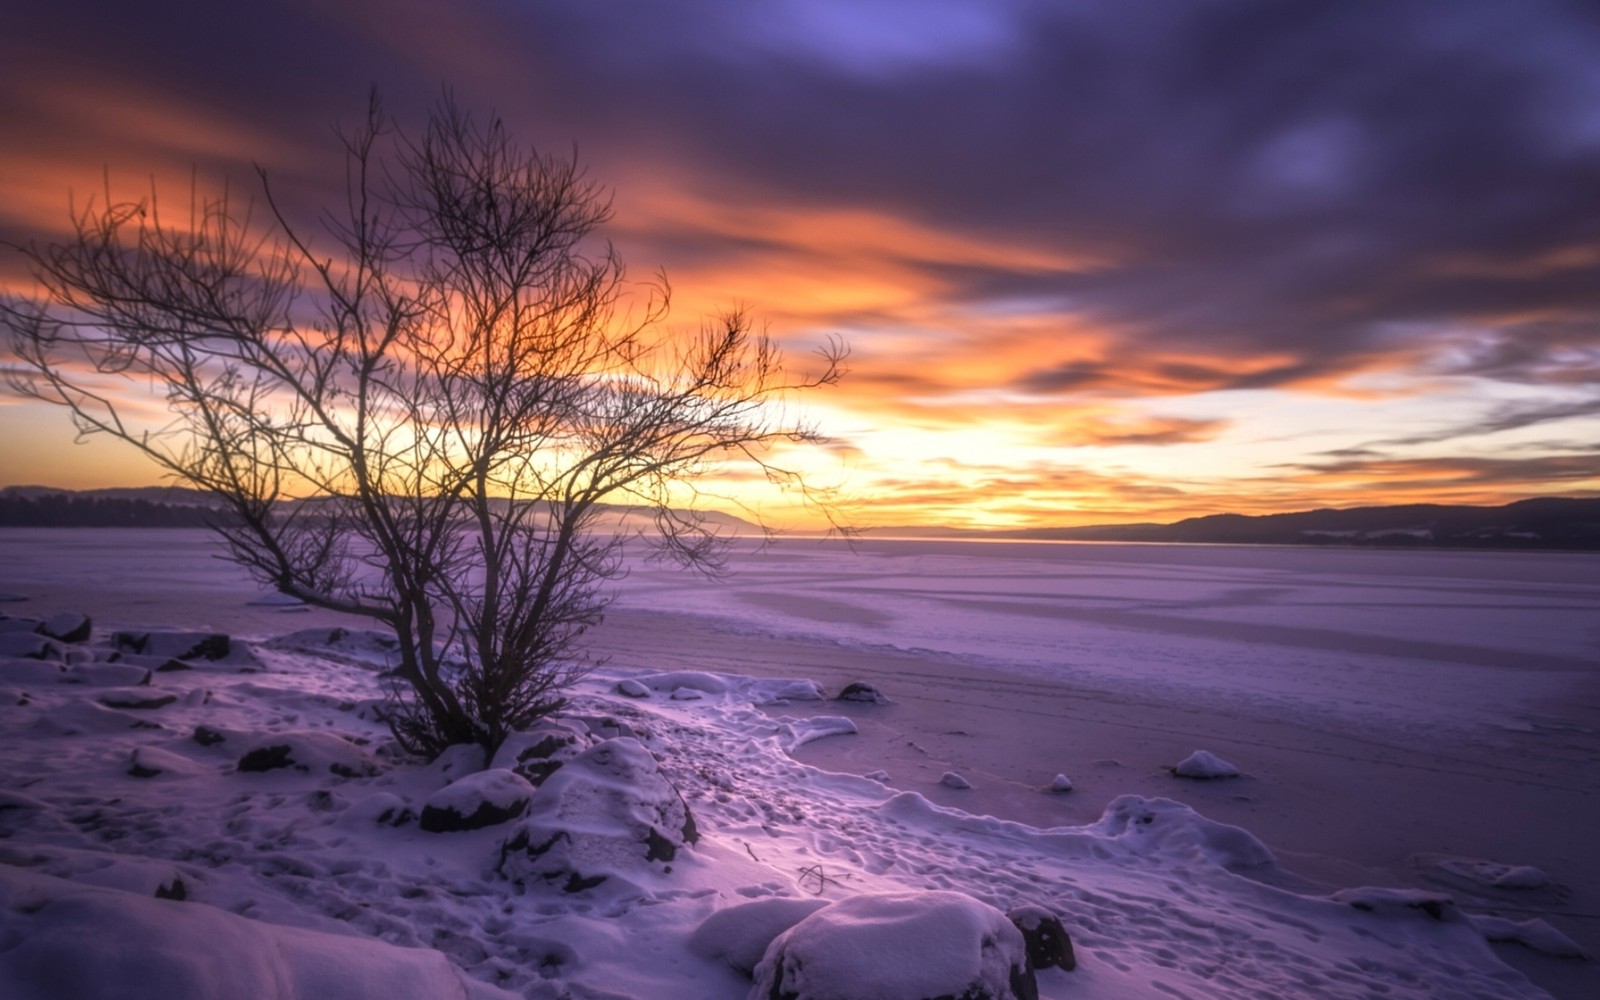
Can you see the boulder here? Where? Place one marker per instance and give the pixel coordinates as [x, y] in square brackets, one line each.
[865, 693]
[608, 810]
[898, 946]
[30, 645]
[1048, 943]
[476, 801]
[309, 752]
[68, 626]
[739, 935]
[632, 688]
[173, 645]
[539, 752]
[951, 779]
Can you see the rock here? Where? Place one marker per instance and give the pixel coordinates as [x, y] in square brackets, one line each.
[310, 752]
[208, 737]
[739, 935]
[1061, 783]
[109, 675]
[174, 645]
[138, 699]
[632, 688]
[898, 946]
[687, 694]
[954, 780]
[862, 693]
[539, 752]
[1048, 943]
[476, 801]
[30, 645]
[607, 809]
[151, 762]
[67, 627]
[1203, 765]
[24, 671]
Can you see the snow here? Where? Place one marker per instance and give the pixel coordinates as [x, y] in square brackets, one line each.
[316, 878]
[1204, 765]
[895, 946]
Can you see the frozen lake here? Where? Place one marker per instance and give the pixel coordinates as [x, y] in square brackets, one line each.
[1371, 636]
[1405, 640]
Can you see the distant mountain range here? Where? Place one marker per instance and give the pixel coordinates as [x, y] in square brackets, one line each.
[1543, 523]
[181, 507]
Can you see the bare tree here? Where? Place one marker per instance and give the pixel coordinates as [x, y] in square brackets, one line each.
[423, 417]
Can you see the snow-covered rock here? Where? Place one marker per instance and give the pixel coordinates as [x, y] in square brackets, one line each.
[1165, 827]
[69, 626]
[861, 692]
[898, 946]
[177, 645]
[1204, 765]
[739, 935]
[108, 674]
[1061, 783]
[632, 688]
[537, 752]
[477, 801]
[607, 811]
[311, 752]
[66, 939]
[1048, 943]
[151, 762]
[951, 779]
[30, 645]
[687, 694]
[17, 670]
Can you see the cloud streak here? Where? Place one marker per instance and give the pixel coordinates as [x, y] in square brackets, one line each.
[1169, 231]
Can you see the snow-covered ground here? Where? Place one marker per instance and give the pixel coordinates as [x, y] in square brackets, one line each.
[301, 878]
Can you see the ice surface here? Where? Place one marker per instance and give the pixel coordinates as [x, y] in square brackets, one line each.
[320, 872]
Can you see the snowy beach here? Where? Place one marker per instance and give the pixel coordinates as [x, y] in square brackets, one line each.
[1426, 723]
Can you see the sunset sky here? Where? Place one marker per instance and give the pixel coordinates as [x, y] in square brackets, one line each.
[1096, 262]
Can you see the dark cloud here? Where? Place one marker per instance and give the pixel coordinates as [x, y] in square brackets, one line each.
[1508, 417]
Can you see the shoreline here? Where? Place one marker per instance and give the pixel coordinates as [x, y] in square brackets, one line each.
[1338, 809]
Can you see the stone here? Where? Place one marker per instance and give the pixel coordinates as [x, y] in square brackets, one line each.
[608, 809]
[861, 692]
[476, 801]
[67, 627]
[875, 946]
[950, 779]
[1048, 943]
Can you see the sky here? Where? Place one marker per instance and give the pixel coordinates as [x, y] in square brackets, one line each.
[1095, 262]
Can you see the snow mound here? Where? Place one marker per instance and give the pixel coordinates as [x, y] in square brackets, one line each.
[1173, 830]
[608, 811]
[1204, 765]
[739, 935]
[950, 779]
[796, 733]
[367, 647]
[1061, 783]
[91, 943]
[476, 801]
[898, 946]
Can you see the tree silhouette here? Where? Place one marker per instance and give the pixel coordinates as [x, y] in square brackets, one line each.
[418, 411]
